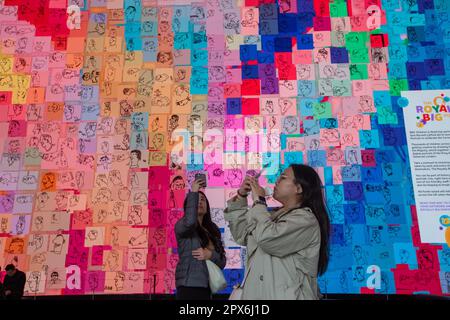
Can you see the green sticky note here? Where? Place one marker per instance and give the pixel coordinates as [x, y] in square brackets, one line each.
[397, 85]
[355, 40]
[358, 71]
[322, 110]
[32, 157]
[338, 9]
[359, 55]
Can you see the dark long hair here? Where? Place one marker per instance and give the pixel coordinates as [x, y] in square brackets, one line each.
[313, 197]
[212, 230]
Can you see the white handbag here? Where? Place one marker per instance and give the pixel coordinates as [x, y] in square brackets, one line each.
[217, 280]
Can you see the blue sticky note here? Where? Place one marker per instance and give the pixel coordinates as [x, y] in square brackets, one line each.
[382, 256]
[393, 136]
[233, 277]
[405, 253]
[416, 34]
[377, 235]
[180, 18]
[234, 106]
[287, 23]
[90, 112]
[307, 107]
[353, 191]
[139, 121]
[283, 44]
[337, 234]
[426, 5]
[375, 215]
[384, 155]
[338, 55]
[415, 70]
[311, 127]
[268, 27]
[444, 258]
[336, 213]
[249, 72]
[434, 67]
[328, 176]
[395, 213]
[150, 49]
[373, 193]
[265, 57]
[354, 213]
[138, 140]
[306, 88]
[317, 158]
[351, 173]
[248, 52]
[372, 174]
[268, 43]
[429, 84]
[305, 42]
[149, 28]
[414, 85]
[392, 171]
[305, 21]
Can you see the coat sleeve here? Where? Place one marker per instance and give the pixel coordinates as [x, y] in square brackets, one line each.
[187, 224]
[21, 285]
[291, 233]
[218, 259]
[235, 214]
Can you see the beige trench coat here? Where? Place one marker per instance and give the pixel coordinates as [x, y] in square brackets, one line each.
[282, 252]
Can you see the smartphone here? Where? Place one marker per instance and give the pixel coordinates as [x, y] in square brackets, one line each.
[201, 176]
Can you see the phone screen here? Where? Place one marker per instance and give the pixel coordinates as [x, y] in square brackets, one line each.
[201, 176]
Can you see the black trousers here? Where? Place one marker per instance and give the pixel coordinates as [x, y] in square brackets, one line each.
[193, 293]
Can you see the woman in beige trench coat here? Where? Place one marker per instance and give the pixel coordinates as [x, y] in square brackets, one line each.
[287, 248]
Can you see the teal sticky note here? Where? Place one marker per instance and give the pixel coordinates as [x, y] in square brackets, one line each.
[369, 139]
[199, 57]
[199, 80]
[293, 157]
[386, 115]
[322, 110]
[341, 88]
[182, 40]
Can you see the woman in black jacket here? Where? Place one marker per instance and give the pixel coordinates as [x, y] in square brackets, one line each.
[198, 239]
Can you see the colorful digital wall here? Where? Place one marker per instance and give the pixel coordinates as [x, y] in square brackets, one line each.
[108, 109]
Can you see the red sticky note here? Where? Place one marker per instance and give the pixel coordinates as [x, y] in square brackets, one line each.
[251, 87]
[5, 97]
[379, 40]
[368, 158]
[322, 24]
[250, 106]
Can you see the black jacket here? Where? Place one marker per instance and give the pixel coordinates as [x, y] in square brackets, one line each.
[191, 272]
[16, 284]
